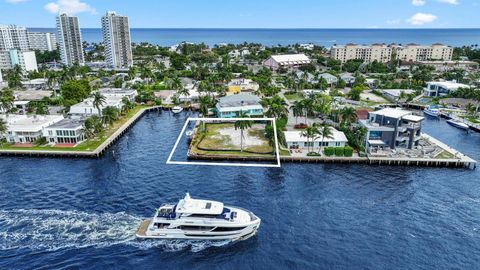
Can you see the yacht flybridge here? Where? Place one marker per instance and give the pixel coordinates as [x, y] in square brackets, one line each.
[199, 219]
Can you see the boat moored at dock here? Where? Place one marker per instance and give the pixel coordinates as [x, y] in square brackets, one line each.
[195, 219]
[432, 111]
[458, 124]
[177, 109]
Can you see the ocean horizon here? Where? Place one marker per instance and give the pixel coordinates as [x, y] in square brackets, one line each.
[275, 36]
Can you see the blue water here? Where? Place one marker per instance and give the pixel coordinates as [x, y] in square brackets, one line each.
[270, 37]
[82, 214]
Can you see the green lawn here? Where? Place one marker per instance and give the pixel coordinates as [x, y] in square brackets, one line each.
[216, 142]
[88, 145]
[445, 155]
[294, 96]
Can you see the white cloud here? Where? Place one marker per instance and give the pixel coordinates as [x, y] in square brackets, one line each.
[394, 22]
[418, 2]
[15, 1]
[421, 19]
[451, 2]
[69, 6]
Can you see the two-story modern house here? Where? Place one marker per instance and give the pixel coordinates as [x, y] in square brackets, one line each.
[392, 128]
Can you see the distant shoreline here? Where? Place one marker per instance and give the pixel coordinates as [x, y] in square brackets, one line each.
[456, 37]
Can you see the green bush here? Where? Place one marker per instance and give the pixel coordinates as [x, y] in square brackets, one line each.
[329, 151]
[313, 154]
[348, 151]
[339, 151]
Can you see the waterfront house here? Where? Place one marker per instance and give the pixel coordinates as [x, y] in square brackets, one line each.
[86, 107]
[392, 128]
[275, 62]
[26, 129]
[442, 88]
[295, 140]
[67, 132]
[119, 92]
[231, 106]
[394, 94]
[236, 86]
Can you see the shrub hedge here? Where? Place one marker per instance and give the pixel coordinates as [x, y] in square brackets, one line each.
[348, 151]
[329, 151]
[339, 151]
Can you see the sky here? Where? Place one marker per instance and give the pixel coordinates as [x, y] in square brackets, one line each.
[251, 13]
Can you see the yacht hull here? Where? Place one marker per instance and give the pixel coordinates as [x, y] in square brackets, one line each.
[458, 125]
[143, 232]
[431, 113]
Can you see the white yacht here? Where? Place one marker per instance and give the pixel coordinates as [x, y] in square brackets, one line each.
[199, 220]
[177, 109]
[432, 111]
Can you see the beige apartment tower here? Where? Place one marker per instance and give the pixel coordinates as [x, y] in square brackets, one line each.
[117, 42]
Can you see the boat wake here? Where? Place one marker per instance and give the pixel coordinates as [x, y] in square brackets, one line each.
[57, 229]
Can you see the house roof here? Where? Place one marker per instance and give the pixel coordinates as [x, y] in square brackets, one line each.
[29, 123]
[413, 118]
[67, 124]
[451, 85]
[238, 100]
[296, 136]
[291, 58]
[391, 112]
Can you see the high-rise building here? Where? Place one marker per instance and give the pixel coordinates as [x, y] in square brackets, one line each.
[13, 37]
[69, 40]
[42, 41]
[13, 57]
[116, 39]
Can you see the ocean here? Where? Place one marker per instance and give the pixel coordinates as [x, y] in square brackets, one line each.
[82, 213]
[271, 37]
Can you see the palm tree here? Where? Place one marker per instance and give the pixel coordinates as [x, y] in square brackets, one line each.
[324, 131]
[176, 83]
[98, 101]
[146, 73]
[184, 92]
[309, 133]
[110, 115]
[127, 104]
[14, 77]
[276, 107]
[52, 81]
[348, 115]
[204, 104]
[132, 72]
[308, 108]
[242, 124]
[6, 100]
[297, 109]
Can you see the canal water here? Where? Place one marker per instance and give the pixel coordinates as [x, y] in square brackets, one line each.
[83, 213]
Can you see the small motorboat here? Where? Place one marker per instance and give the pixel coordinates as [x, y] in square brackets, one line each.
[189, 134]
[458, 124]
[432, 111]
[194, 219]
[177, 109]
